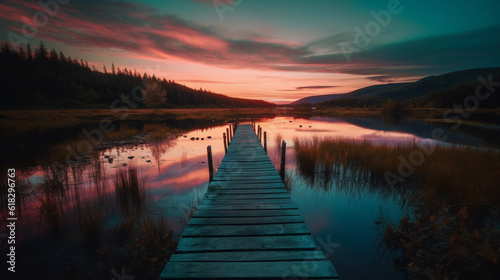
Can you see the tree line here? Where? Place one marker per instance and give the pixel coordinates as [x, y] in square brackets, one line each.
[43, 78]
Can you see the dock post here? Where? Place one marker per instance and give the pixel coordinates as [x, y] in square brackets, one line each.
[225, 143]
[265, 141]
[210, 163]
[227, 134]
[231, 131]
[258, 131]
[283, 160]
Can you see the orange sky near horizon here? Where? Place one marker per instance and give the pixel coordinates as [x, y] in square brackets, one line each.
[278, 51]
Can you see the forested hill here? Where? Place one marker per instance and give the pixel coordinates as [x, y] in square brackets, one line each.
[49, 79]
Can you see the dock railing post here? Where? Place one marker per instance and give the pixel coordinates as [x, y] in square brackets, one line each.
[283, 160]
[265, 141]
[227, 134]
[225, 143]
[210, 163]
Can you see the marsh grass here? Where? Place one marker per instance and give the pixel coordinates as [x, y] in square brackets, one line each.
[450, 230]
[122, 133]
[130, 193]
[158, 131]
[460, 174]
[91, 222]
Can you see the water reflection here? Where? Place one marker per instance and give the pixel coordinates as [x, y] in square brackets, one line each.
[120, 186]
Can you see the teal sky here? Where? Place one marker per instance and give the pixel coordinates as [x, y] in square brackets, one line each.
[279, 51]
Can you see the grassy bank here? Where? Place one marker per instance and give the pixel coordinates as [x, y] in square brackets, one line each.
[25, 120]
[451, 227]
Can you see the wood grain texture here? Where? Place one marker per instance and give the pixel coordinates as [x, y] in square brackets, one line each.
[246, 226]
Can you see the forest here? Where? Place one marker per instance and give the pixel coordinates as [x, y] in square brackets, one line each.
[47, 79]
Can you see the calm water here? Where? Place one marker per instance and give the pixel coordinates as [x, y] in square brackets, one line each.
[176, 176]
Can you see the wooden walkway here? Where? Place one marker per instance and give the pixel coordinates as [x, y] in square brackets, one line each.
[246, 226]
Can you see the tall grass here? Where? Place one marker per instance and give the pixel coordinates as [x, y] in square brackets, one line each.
[91, 222]
[130, 192]
[451, 230]
[158, 132]
[122, 133]
[461, 174]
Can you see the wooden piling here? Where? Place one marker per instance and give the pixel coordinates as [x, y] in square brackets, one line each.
[210, 163]
[283, 160]
[225, 143]
[227, 134]
[265, 141]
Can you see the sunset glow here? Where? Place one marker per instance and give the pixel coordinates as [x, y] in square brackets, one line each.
[278, 51]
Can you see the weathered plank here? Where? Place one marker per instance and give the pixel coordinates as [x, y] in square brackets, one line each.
[245, 185]
[258, 243]
[249, 256]
[256, 206]
[250, 191]
[246, 196]
[252, 270]
[246, 226]
[245, 220]
[246, 213]
[245, 201]
[250, 230]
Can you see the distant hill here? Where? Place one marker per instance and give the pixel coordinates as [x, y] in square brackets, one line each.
[49, 79]
[405, 91]
[318, 98]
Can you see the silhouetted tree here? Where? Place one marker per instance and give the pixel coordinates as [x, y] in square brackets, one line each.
[154, 95]
[41, 54]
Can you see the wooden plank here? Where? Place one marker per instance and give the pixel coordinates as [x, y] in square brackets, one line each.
[246, 226]
[234, 178]
[249, 256]
[245, 201]
[245, 220]
[250, 270]
[250, 191]
[248, 230]
[248, 173]
[205, 244]
[243, 181]
[246, 213]
[256, 206]
[246, 185]
[246, 196]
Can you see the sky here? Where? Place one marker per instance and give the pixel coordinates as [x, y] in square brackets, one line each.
[278, 51]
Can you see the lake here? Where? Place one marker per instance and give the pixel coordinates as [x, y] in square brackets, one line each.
[52, 238]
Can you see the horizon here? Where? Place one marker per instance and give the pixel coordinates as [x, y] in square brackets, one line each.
[279, 52]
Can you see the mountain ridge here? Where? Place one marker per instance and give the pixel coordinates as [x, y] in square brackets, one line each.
[408, 90]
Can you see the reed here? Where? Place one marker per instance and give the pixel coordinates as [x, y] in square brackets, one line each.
[122, 133]
[461, 174]
[130, 192]
[450, 230]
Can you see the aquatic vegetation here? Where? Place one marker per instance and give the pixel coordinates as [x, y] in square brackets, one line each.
[452, 226]
[159, 132]
[130, 192]
[121, 133]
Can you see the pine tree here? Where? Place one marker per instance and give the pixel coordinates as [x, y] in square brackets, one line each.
[62, 57]
[53, 55]
[42, 53]
[29, 51]
[113, 69]
[105, 69]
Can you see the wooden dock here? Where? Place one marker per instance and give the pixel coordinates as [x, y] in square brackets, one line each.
[246, 226]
